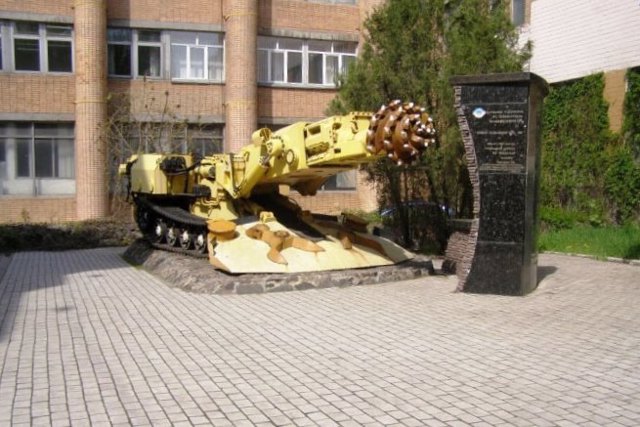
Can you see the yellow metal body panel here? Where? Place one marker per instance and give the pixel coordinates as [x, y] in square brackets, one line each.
[246, 255]
[301, 156]
[146, 176]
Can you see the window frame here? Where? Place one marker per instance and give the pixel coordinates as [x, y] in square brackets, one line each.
[58, 38]
[43, 46]
[188, 47]
[521, 14]
[128, 43]
[135, 59]
[23, 173]
[306, 51]
[134, 44]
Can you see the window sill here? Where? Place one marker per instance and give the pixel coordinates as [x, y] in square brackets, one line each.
[42, 73]
[197, 81]
[37, 196]
[129, 77]
[297, 86]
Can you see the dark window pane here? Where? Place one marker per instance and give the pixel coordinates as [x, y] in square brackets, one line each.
[518, 12]
[149, 61]
[0, 51]
[290, 44]
[53, 130]
[119, 34]
[148, 36]
[315, 68]
[3, 156]
[294, 67]
[23, 27]
[27, 55]
[23, 130]
[344, 47]
[59, 53]
[59, 30]
[319, 46]
[183, 37]
[44, 159]
[277, 66]
[210, 39]
[22, 158]
[205, 146]
[119, 60]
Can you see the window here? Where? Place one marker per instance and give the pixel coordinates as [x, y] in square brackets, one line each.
[59, 48]
[149, 53]
[37, 158]
[327, 60]
[26, 46]
[134, 52]
[518, 12]
[203, 140]
[119, 51]
[171, 137]
[42, 47]
[197, 56]
[342, 181]
[297, 61]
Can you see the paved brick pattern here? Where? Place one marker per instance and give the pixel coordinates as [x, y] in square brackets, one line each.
[87, 339]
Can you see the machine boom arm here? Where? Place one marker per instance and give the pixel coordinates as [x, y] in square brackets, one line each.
[301, 156]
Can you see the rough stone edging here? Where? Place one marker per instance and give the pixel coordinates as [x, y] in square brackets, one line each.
[198, 276]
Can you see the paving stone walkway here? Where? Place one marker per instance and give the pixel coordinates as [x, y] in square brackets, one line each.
[86, 339]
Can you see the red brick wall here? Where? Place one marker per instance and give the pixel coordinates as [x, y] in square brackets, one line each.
[193, 11]
[308, 16]
[287, 102]
[57, 7]
[184, 99]
[37, 209]
[36, 93]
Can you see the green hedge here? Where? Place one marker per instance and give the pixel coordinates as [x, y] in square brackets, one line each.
[589, 174]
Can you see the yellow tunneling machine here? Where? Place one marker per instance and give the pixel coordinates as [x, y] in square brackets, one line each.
[234, 208]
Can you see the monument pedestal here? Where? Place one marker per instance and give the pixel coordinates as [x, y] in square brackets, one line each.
[499, 116]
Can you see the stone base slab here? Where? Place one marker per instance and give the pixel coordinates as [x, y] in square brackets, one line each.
[197, 275]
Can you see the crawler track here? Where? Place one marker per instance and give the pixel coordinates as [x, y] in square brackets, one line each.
[171, 228]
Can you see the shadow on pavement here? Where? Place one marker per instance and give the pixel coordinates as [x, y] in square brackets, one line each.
[544, 271]
[26, 272]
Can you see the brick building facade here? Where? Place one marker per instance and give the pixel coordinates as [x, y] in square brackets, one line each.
[229, 66]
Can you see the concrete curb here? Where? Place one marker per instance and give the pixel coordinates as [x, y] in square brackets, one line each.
[634, 262]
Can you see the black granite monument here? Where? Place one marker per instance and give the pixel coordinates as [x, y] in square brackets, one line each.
[499, 117]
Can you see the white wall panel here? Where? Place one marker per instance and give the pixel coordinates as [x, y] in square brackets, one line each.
[575, 38]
